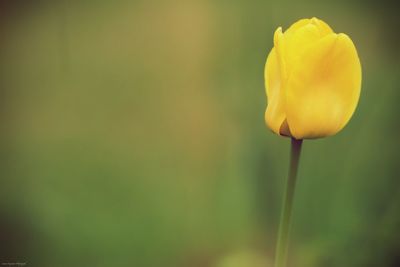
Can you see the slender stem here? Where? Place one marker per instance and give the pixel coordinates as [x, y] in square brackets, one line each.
[284, 225]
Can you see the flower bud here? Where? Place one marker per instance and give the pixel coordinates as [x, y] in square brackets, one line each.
[312, 80]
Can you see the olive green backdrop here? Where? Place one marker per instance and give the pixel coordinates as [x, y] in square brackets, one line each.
[132, 134]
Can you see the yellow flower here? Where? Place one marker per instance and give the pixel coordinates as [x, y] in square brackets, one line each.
[312, 79]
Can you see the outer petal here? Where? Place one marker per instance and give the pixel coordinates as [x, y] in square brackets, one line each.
[280, 50]
[323, 89]
[275, 113]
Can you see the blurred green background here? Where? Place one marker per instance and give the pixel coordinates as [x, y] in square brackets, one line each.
[132, 134]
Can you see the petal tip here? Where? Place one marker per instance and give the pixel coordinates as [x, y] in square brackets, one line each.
[278, 31]
[277, 36]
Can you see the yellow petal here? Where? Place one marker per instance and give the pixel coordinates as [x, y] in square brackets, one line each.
[279, 46]
[295, 40]
[297, 25]
[323, 28]
[324, 87]
[300, 36]
[295, 43]
[275, 113]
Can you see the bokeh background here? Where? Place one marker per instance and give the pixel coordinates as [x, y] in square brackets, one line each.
[132, 134]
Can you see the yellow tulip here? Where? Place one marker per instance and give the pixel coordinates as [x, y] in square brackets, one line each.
[312, 80]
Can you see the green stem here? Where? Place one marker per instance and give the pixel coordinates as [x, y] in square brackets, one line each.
[284, 225]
